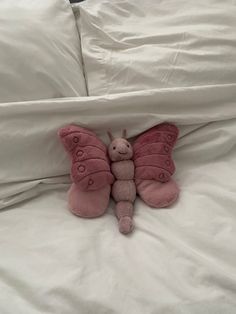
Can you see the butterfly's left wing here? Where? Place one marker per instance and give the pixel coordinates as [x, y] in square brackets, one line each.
[152, 153]
[90, 168]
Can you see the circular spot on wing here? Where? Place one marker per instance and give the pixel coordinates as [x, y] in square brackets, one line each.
[79, 153]
[166, 148]
[81, 168]
[75, 139]
[161, 175]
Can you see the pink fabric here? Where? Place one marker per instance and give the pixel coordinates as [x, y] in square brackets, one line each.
[152, 153]
[90, 168]
[123, 170]
[120, 149]
[124, 208]
[73, 135]
[162, 133]
[88, 204]
[90, 171]
[123, 189]
[157, 194]
[126, 225]
[124, 213]
[154, 165]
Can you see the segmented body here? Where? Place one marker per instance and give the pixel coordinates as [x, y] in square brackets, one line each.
[123, 188]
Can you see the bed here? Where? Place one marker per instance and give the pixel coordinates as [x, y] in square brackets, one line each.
[103, 64]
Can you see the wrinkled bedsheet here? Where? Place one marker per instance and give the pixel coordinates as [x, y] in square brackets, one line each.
[178, 260]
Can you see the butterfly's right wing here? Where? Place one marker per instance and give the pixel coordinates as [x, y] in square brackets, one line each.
[90, 168]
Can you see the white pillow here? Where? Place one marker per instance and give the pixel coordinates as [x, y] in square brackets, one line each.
[40, 53]
[138, 45]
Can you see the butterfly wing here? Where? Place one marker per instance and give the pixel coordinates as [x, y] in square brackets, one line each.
[152, 153]
[90, 168]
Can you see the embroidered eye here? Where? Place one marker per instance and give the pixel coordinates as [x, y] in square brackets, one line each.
[114, 147]
[127, 145]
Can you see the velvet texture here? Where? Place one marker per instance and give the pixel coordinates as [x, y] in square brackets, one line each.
[154, 165]
[90, 171]
[123, 189]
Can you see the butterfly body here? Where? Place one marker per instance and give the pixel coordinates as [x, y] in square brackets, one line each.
[124, 188]
[123, 170]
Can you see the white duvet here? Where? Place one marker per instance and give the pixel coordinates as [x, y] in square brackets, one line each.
[180, 260]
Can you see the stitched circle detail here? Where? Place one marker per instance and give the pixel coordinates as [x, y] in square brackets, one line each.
[166, 148]
[81, 168]
[76, 139]
[80, 153]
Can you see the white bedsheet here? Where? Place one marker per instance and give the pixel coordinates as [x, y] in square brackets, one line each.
[180, 260]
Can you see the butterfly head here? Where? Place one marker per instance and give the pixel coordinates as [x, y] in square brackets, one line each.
[119, 148]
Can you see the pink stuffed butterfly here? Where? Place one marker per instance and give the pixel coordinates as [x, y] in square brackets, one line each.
[91, 173]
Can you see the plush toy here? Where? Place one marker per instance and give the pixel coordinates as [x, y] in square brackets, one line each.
[144, 168]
